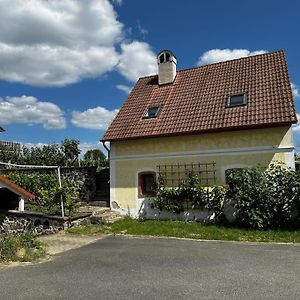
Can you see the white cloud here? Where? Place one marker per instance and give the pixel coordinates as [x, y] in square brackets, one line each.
[137, 60]
[296, 127]
[54, 43]
[295, 90]
[94, 118]
[29, 110]
[217, 55]
[125, 88]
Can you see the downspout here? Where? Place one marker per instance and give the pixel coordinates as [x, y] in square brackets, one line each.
[107, 149]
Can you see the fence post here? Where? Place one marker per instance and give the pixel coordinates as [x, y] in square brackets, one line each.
[61, 198]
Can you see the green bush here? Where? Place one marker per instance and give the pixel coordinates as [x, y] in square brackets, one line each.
[265, 198]
[189, 195]
[23, 247]
[46, 188]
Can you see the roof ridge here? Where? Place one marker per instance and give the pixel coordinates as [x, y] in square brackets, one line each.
[235, 59]
[220, 62]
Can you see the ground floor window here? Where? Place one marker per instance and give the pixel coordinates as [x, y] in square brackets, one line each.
[146, 184]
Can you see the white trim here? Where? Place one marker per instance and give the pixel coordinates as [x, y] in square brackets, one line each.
[289, 158]
[112, 150]
[21, 204]
[112, 182]
[139, 201]
[226, 151]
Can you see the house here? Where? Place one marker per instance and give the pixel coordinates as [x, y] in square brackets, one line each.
[209, 119]
[12, 196]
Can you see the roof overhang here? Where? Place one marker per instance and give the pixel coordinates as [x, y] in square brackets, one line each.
[206, 131]
[16, 189]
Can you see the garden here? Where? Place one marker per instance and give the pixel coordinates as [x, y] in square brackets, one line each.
[261, 198]
[266, 204]
[50, 193]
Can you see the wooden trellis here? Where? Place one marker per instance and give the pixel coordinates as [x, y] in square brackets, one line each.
[173, 174]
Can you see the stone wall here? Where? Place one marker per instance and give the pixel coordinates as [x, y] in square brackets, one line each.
[84, 177]
[21, 222]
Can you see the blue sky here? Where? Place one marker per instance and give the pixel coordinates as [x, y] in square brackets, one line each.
[66, 66]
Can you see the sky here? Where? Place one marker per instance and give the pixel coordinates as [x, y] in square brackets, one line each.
[67, 66]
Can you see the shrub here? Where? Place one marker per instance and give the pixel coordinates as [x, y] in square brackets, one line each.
[189, 195]
[23, 247]
[265, 198]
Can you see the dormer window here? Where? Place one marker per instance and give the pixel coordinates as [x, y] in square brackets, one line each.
[152, 112]
[237, 100]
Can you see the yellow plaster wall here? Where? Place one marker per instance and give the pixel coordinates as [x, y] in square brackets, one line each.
[277, 136]
[126, 170]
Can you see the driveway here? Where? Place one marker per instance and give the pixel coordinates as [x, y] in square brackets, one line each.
[154, 268]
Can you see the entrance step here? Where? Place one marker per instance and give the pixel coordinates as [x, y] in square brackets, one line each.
[107, 216]
[99, 202]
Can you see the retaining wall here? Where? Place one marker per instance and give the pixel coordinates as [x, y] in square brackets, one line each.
[21, 222]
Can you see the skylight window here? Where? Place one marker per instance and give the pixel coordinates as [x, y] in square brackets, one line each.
[237, 100]
[152, 112]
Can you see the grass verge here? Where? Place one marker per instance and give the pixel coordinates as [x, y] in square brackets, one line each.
[89, 229]
[192, 230]
[21, 247]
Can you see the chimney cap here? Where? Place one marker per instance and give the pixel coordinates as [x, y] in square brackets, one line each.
[166, 51]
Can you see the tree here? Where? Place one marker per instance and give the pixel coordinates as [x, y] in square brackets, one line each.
[71, 151]
[47, 155]
[94, 157]
[65, 154]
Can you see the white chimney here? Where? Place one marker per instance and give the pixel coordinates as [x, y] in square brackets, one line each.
[166, 67]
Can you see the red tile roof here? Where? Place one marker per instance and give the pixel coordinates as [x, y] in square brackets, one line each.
[19, 190]
[196, 101]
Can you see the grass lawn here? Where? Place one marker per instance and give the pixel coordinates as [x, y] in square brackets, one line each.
[189, 230]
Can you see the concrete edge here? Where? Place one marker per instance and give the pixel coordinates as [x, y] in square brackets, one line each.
[203, 240]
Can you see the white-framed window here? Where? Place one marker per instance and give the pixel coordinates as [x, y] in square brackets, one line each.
[237, 100]
[152, 112]
[146, 183]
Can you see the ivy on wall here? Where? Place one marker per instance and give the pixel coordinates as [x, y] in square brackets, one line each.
[188, 195]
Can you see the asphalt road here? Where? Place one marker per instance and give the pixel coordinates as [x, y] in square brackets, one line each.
[140, 268]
